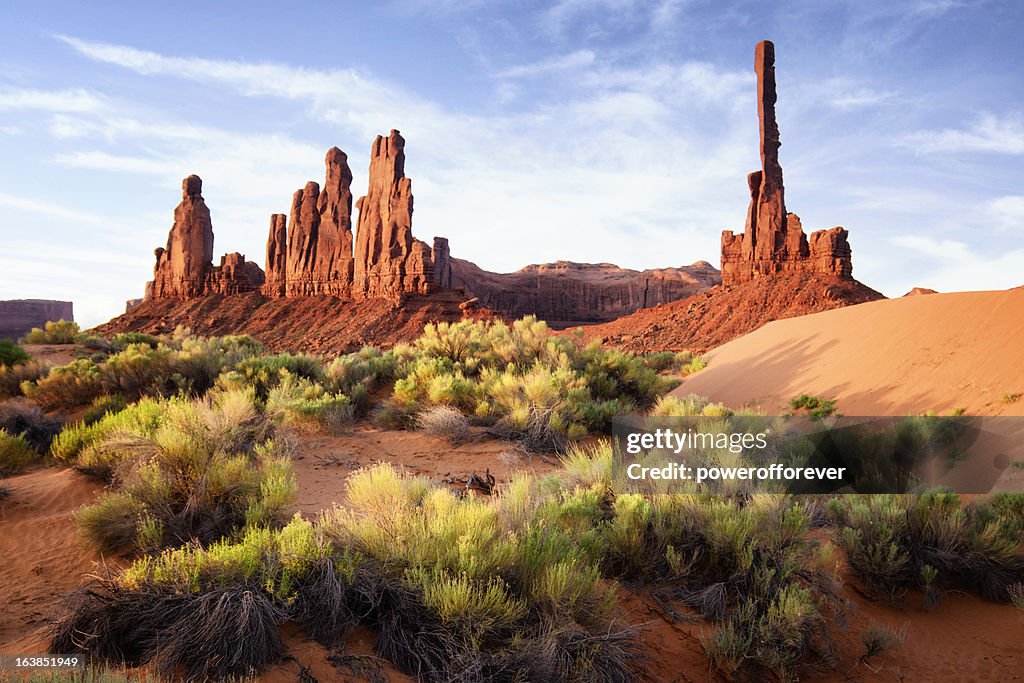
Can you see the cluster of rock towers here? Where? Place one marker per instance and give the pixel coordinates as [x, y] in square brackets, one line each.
[773, 240]
[312, 252]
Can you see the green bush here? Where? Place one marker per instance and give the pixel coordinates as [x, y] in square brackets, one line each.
[88, 447]
[688, 406]
[933, 542]
[532, 386]
[68, 386]
[304, 402]
[206, 471]
[816, 407]
[59, 332]
[11, 354]
[15, 453]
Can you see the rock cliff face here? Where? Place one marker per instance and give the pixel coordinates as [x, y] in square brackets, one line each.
[773, 241]
[19, 316]
[388, 259]
[565, 293]
[277, 254]
[184, 268]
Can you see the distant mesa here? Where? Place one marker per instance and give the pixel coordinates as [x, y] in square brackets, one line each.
[566, 293]
[773, 240]
[19, 316]
[918, 291]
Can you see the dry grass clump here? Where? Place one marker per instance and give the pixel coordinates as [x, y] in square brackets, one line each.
[683, 362]
[205, 470]
[12, 377]
[21, 417]
[933, 542]
[688, 406]
[445, 422]
[54, 332]
[15, 454]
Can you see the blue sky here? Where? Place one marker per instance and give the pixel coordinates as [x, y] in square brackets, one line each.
[601, 130]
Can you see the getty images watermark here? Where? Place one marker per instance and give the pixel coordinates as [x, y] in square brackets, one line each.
[755, 453]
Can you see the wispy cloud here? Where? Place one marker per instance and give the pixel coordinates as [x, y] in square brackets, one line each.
[989, 133]
[1007, 212]
[568, 62]
[73, 100]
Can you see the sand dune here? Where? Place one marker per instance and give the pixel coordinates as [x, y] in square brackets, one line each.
[892, 357]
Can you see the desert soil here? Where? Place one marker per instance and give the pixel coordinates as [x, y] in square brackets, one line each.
[894, 357]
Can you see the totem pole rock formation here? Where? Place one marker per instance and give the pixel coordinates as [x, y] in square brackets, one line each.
[311, 252]
[388, 259]
[773, 241]
[184, 268]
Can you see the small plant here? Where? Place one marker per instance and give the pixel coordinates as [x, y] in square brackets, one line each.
[445, 422]
[59, 332]
[879, 639]
[1010, 397]
[1017, 596]
[11, 354]
[816, 407]
[15, 454]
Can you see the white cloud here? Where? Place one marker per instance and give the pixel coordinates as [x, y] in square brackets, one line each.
[990, 133]
[1007, 212]
[74, 100]
[569, 62]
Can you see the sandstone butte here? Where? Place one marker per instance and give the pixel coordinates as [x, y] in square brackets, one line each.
[312, 252]
[769, 271]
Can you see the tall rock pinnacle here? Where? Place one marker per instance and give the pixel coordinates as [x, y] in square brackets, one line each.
[773, 240]
[184, 268]
[388, 259]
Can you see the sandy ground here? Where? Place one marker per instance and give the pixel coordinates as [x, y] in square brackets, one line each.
[895, 357]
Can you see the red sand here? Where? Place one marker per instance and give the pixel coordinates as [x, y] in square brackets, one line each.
[894, 357]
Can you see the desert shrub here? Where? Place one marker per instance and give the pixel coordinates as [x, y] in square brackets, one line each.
[104, 405]
[1010, 397]
[682, 362]
[15, 453]
[933, 542]
[370, 368]
[263, 373]
[221, 634]
[879, 639]
[540, 389]
[688, 406]
[79, 444]
[205, 472]
[304, 402]
[25, 419]
[67, 386]
[816, 407]
[122, 340]
[11, 354]
[55, 332]
[454, 592]
[13, 377]
[443, 421]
